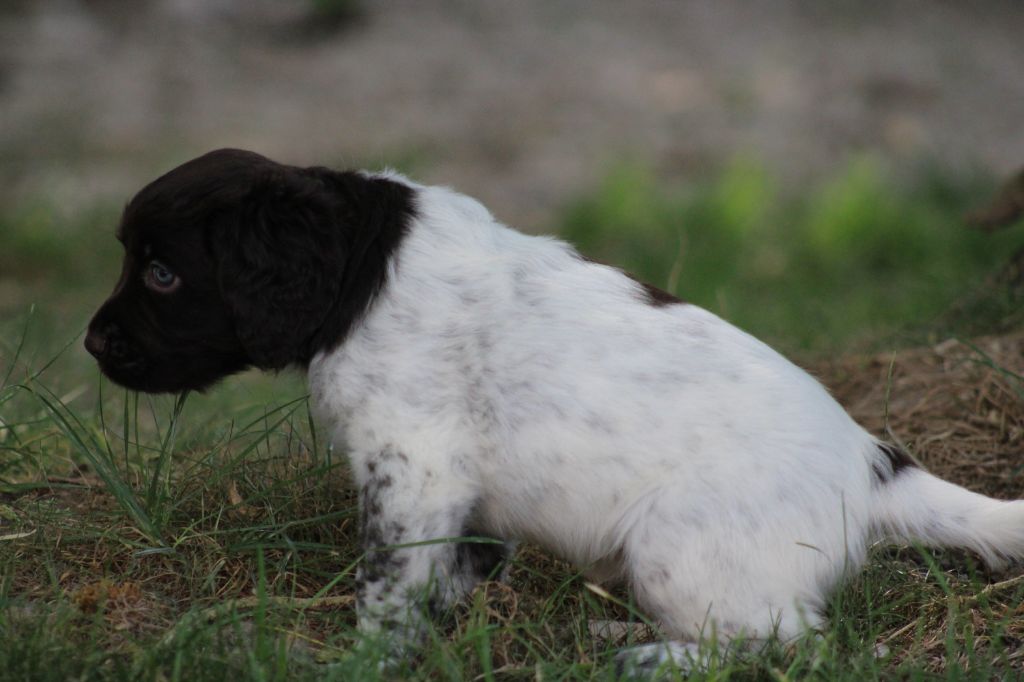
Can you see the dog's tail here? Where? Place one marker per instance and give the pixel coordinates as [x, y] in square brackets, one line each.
[911, 505]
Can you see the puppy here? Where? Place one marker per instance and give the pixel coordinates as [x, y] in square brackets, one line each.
[488, 383]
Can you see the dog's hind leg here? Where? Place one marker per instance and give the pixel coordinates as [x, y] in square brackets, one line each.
[711, 580]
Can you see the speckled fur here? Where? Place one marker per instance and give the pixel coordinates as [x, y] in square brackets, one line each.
[502, 383]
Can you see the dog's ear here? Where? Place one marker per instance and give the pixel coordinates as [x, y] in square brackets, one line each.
[280, 259]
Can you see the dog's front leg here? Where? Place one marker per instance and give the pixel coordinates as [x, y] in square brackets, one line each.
[410, 511]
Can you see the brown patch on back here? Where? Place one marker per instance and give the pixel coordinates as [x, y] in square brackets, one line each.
[655, 296]
[649, 293]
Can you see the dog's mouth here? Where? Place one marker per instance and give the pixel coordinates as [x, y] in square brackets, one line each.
[171, 373]
[121, 361]
[131, 374]
[140, 375]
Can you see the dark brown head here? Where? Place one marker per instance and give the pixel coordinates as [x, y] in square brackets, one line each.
[233, 260]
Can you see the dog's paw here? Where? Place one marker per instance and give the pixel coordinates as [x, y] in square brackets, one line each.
[660, 660]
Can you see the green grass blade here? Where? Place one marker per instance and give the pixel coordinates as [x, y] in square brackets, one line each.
[84, 443]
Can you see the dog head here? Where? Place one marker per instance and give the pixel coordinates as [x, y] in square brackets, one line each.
[233, 260]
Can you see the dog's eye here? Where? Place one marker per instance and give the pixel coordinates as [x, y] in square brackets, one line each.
[159, 277]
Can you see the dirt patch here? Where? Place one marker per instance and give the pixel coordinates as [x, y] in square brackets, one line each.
[958, 406]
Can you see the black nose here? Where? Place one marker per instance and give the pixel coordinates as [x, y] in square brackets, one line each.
[96, 343]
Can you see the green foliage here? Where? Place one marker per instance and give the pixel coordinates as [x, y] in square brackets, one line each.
[38, 242]
[860, 256]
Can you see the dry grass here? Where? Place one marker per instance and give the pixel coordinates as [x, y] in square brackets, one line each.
[958, 406]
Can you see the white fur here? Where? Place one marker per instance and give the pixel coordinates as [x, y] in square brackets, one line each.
[535, 395]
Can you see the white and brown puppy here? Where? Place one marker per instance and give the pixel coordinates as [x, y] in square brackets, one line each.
[486, 382]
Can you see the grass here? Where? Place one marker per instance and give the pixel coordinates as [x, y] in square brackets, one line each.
[214, 536]
[861, 260]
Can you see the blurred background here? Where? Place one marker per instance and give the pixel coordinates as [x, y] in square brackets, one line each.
[801, 168]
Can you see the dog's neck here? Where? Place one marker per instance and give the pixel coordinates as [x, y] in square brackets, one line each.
[375, 212]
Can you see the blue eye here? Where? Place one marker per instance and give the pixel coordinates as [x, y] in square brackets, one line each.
[160, 277]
